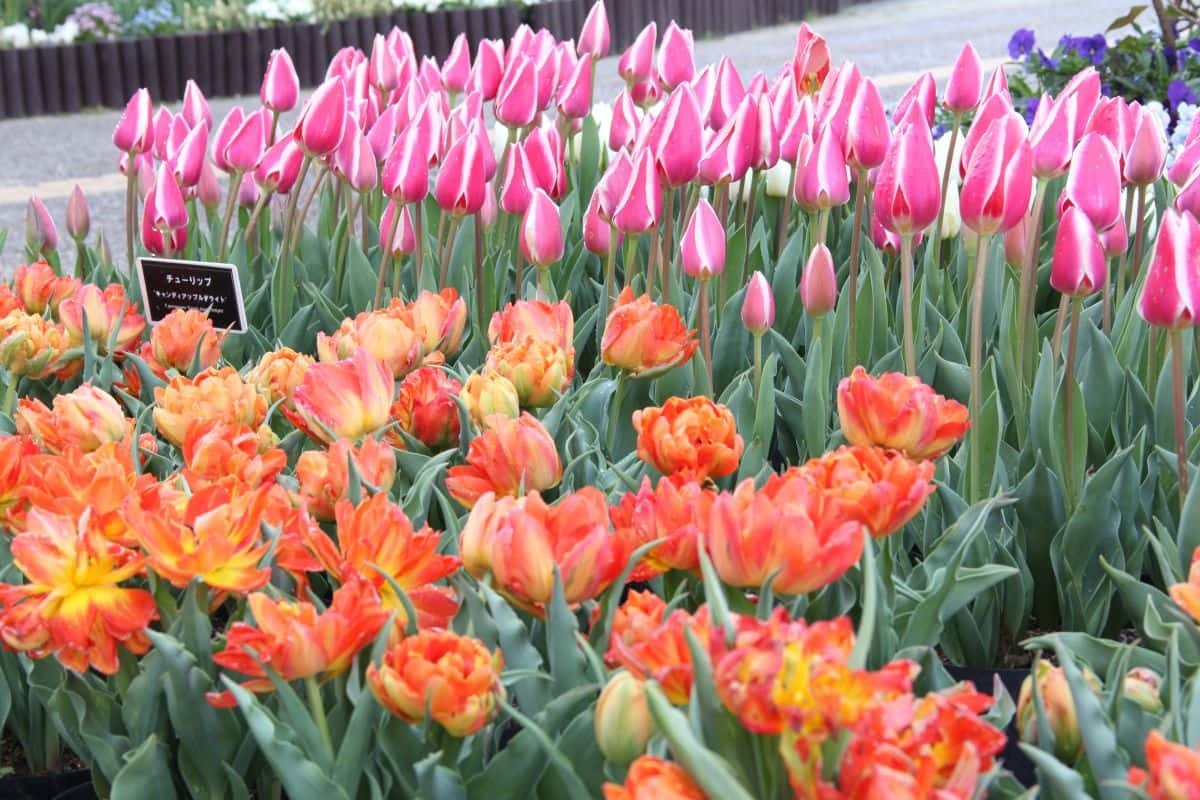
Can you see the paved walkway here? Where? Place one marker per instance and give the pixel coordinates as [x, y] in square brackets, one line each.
[891, 40]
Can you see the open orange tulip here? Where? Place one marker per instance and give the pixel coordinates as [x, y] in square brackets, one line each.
[84, 419]
[898, 411]
[510, 456]
[693, 438]
[652, 778]
[324, 475]
[641, 335]
[344, 400]
[652, 644]
[230, 454]
[278, 373]
[426, 410]
[183, 336]
[673, 510]
[215, 395]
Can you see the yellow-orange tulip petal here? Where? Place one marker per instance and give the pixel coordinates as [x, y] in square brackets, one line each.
[39, 287]
[511, 455]
[1187, 595]
[324, 475]
[425, 409]
[84, 419]
[231, 455]
[652, 778]
[35, 347]
[215, 395]
[553, 323]
[652, 644]
[1172, 770]
[899, 412]
[278, 373]
[346, 399]
[439, 320]
[674, 510]
[693, 438]
[488, 393]
[108, 311]
[386, 336]
[14, 450]
[183, 336]
[540, 371]
[641, 335]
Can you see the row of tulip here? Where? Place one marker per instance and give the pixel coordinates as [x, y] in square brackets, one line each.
[381, 543]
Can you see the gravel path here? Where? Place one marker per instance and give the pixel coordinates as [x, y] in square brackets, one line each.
[891, 40]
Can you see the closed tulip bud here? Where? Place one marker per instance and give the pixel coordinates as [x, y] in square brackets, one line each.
[922, 94]
[999, 178]
[406, 170]
[280, 166]
[832, 105]
[1171, 294]
[135, 129]
[1058, 707]
[195, 106]
[541, 236]
[382, 134]
[676, 137]
[624, 125]
[79, 220]
[456, 70]
[594, 37]
[1016, 244]
[323, 120]
[818, 283]
[517, 189]
[1188, 198]
[245, 147]
[798, 129]
[177, 131]
[1147, 153]
[778, 180]
[188, 164]
[731, 152]
[544, 160]
[461, 184]
[154, 239]
[487, 395]
[170, 211]
[403, 241]
[1115, 240]
[1081, 95]
[907, 189]
[1110, 120]
[40, 234]
[163, 119]
[640, 206]
[1185, 164]
[488, 68]
[867, 132]
[1094, 181]
[702, 249]
[624, 724]
[676, 57]
[766, 155]
[758, 305]
[810, 62]
[645, 93]
[727, 94]
[1050, 139]
[1079, 267]
[965, 87]
[636, 64]
[824, 183]
[383, 67]
[599, 236]
[224, 135]
[248, 195]
[280, 88]
[516, 97]
[1141, 685]
[355, 162]
[575, 96]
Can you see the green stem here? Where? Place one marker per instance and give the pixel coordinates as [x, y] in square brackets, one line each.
[284, 297]
[758, 337]
[1069, 395]
[447, 248]
[610, 272]
[1060, 323]
[317, 707]
[974, 475]
[1176, 338]
[753, 178]
[235, 186]
[937, 228]
[1139, 237]
[1123, 264]
[614, 414]
[10, 394]
[1026, 332]
[906, 301]
[298, 225]
[866, 625]
[419, 233]
[130, 209]
[385, 261]
[80, 258]
[783, 224]
[860, 197]
[630, 257]
[480, 296]
[705, 336]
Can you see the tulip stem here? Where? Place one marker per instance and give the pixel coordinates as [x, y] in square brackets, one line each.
[750, 176]
[758, 337]
[973, 476]
[1151, 382]
[1026, 332]
[419, 232]
[665, 238]
[1059, 325]
[385, 262]
[610, 271]
[783, 224]
[317, 707]
[705, 337]
[447, 248]
[364, 209]
[1139, 237]
[614, 414]
[263, 199]
[1176, 337]
[1069, 395]
[937, 228]
[235, 185]
[480, 297]
[906, 299]
[130, 208]
[860, 198]
[630, 257]
[10, 395]
[1106, 300]
[1123, 264]
[298, 223]
[284, 297]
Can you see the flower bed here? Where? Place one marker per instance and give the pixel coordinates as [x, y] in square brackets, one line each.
[733, 441]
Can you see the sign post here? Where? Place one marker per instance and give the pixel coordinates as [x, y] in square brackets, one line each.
[205, 286]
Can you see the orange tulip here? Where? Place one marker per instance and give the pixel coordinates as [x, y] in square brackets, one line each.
[623, 721]
[1187, 595]
[296, 529]
[509, 457]
[448, 678]
[73, 604]
[324, 475]
[752, 534]
[439, 320]
[1058, 705]
[378, 532]
[109, 313]
[489, 393]
[35, 347]
[898, 411]
[693, 438]
[183, 336]
[425, 409]
[641, 335]
[217, 539]
[653, 645]
[9, 302]
[39, 287]
[535, 319]
[880, 488]
[231, 455]
[522, 541]
[1172, 770]
[539, 370]
[344, 400]
[652, 778]
[278, 373]
[14, 450]
[215, 395]
[674, 510]
[385, 335]
[85, 419]
[296, 641]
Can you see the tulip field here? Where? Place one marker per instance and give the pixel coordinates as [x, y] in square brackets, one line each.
[734, 440]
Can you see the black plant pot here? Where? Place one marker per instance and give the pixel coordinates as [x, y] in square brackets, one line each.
[73, 785]
[1013, 757]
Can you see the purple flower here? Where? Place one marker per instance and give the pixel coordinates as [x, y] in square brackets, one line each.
[1031, 107]
[938, 130]
[1021, 43]
[1194, 44]
[1179, 92]
[1047, 61]
[1171, 57]
[1092, 48]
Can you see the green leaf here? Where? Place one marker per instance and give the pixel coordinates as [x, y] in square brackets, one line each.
[708, 769]
[567, 664]
[1055, 778]
[146, 773]
[1099, 741]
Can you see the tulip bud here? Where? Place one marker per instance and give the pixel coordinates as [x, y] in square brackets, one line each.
[1094, 181]
[355, 162]
[1147, 153]
[403, 241]
[758, 305]
[543, 150]
[40, 234]
[541, 237]
[1171, 294]
[1079, 267]
[965, 87]
[624, 724]
[676, 137]
[727, 94]
[489, 395]
[599, 236]
[810, 62]
[997, 84]
[999, 179]
[488, 68]
[594, 37]
[456, 70]
[640, 206]
[170, 211]
[1016, 244]
[923, 95]
[280, 88]
[189, 161]
[224, 135]
[103, 251]
[818, 282]
[1115, 240]
[406, 170]
[323, 120]
[867, 131]
[636, 64]
[702, 249]
[461, 183]
[516, 191]
[575, 96]
[162, 122]
[79, 220]
[624, 125]
[908, 188]
[1059, 710]
[135, 132]
[1141, 685]
[245, 147]
[1050, 139]
[248, 195]
[824, 183]
[195, 106]
[676, 57]
[280, 166]
[516, 97]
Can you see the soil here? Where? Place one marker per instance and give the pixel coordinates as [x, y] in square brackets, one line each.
[12, 757]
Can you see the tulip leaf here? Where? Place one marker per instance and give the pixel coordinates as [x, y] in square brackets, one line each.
[566, 771]
[519, 652]
[1056, 780]
[1108, 764]
[578, 744]
[567, 665]
[816, 397]
[359, 281]
[600, 632]
[714, 595]
[146, 773]
[710, 771]
[1189, 525]
[437, 780]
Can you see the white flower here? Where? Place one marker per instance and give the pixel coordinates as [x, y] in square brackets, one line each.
[952, 219]
[15, 35]
[779, 179]
[602, 114]
[38, 36]
[66, 33]
[941, 151]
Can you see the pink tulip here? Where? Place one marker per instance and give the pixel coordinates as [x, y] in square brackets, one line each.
[517, 189]
[487, 156]
[1188, 198]
[406, 169]
[798, 128]
[280, 166]
[867, 132]
[640, 206]
[79, 219]
[758, 305]
[541, 236]
[997, 84]
[431, 123]
[823, 182]
[544, 158]
[1016, 244]
[323, 120]
[192, 156]
[404, 240]
[732, 151]
[248, 194]
[994, 108]
[818, 282]
[1171, 294]
[766, 154]
[575, 97]
[516, 98]
[1079, 267]
[676, 57]
[1094, 182]
[833, 103]
[280, 90]
[429, 74]
[908, 189]
[598, 234]
[208, 188]
[456, 69]
[1081, 94]
[1050, 139]
[637, 63]
[144, 169]
[195, 107]
[545, 68]
[886, 241]
[1147, 153]
[625, 120]
[999, 181]
[354, 162]
[245, 147]
[1115, 240]
[135, 131]
[176, 133]
[488, 68]
[461, 183]
[1110, 119]
[224, 135]
[1185, 164]
[565, 61]
[594, 37]
[163, 120]
[343, 62]
[613, 183]
[923, 93]
[783, 99]
[383, 133]
[40, 232]
[154, 239]
[758, 84]
[170, 212]
[383, 67]
[675, 137]
[489, 210]
[810, 62]
[704, 85]
[965, 87]
[646, 93]
[702, 249]
[728, 92]
[401, 44]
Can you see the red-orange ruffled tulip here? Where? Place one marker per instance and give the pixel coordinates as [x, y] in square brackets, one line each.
[278, 373]
[674, 510]
[324, 475]
[439, 319]
[344, 400]
[182, 337]
[898, 411]
[84, 419]
[108, 310]
[426, 410]
[510, 456]
[448, 678]
[296, 641]
[539, 370]
[73, 604]
[1172, 770]
[534, 319]
[230, 455]
[652, 778]
[213, 395]
[652, 644]
[13, 452]
[641, 335]
[39, 287]
[693, 438]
